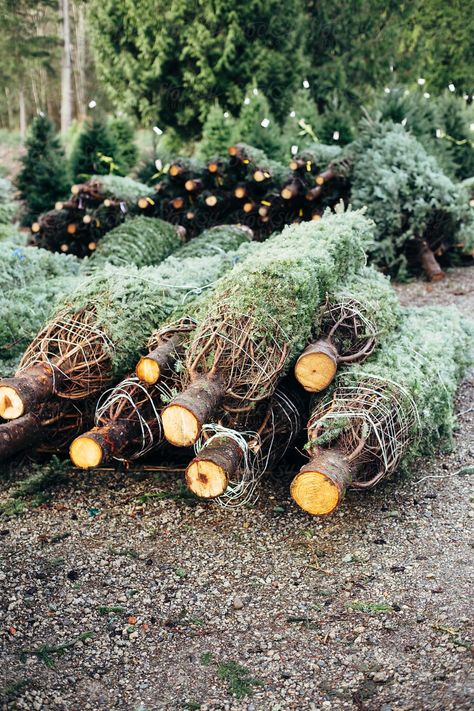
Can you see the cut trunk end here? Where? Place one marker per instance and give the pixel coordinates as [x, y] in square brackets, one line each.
[184, 417]
[150, 367]
[85, 452]
[317, 366]
[209, 473]
[429, 262]
[19, 395]
[320, 485]
[101, 444]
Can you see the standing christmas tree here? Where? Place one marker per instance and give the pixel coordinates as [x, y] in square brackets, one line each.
[43, 178]
[217, 133]
[256, 125]
[94, 152]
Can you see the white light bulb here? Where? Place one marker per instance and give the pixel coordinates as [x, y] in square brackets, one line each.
[392, 68]
[294, 150]
[427, 95]
[305, 84]
[292, 114]
[471, 126]
[451, 87]
[421, 81]
[387, 90]
[404, 121]
[439, 133]
[158, 164]
[92, 104]
[246, 101]
[465, 97]
[226, 114]
[265, 123]
[335, 135]
[255, 91]
[157, 130]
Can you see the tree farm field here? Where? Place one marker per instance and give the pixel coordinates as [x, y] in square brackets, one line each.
[122, 591]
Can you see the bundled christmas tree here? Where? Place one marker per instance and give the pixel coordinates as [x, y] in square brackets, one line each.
[94, 153]
[43, 178]
[420, 214]
[259, 319]
[381, 415]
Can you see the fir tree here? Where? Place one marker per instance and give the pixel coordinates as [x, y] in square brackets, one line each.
[302, 125]
[337, 124]
[126, 154]
[94, 153]
[43, 178]
[256, 125]
[217, 133]
[456, 119]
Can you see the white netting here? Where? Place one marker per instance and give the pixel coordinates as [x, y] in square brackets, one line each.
[347, 324]
[373, 421]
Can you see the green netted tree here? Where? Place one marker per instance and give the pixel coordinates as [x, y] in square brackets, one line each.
[43, 177]
[218, 133]
[95, 152]
[126, 152]
[379, 416]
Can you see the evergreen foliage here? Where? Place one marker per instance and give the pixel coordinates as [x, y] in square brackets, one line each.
[457, 123]
[407, 195]
[255, 110]
[426, 357]
[302, 124]
[126, 152]
[95, 152]
[141, 241]
[43, 178]
[217, 133]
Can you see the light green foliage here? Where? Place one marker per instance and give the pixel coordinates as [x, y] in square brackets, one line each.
[320, 154]
[249, 129]
[282, 289]
[123, 189]
[217, 240]
[126, 152]
[141, 241]
[217, 133]
[33, 280]
[44, 177]
[131, 303]
[406, 193]
[7, 212]
[427, 356]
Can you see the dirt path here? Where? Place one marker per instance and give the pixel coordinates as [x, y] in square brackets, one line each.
[192, 607]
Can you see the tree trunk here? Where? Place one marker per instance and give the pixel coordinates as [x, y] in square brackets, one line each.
[101, 444]
[209, 472]
[21, 98]
[17, 434]
[316, 366]
[185, 416]
[66, 111]
[429, 262]
[79, 55]
[320, 485]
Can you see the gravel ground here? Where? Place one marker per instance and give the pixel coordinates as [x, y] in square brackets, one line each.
[118, 598]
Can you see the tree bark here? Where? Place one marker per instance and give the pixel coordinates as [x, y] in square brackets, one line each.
[22, 107]
[429, 262]
[66, 109]
[320, 485]
[185, 416]
[209, 472]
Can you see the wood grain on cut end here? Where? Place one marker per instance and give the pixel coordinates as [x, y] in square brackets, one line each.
[181, 427]
[148, 370]
[85, 452]
[320, 485]
[206, 479]
[316, 366]
[11, 404]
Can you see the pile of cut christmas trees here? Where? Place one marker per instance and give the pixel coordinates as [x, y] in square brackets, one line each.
[423, 219]
[244, 344]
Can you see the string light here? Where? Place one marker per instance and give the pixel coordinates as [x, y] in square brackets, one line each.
[305, 84]
[158, 164]
[255, 91]
[465, 97]
[294, 150]
[471, 126]
[292, 114]
[421, 81]
[427, 95]
[451, 87]
[387, 90]
[265, 123]
[439, 133]
[246, 101]
[335, 136]
[404, 121]
[92, 104]
[157, 130]
[226, 114]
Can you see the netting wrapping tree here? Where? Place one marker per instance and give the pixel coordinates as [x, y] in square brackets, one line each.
[418, 210]
[260, 318]
[93, 339]
[382, 414]
[350, 325]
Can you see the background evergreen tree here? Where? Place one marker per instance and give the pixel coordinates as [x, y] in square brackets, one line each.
[43, 178]
[337, 123]
[456, 119]
[218, 133]
[126, 154]
[94, 153]
[249, 129]
[302, 125]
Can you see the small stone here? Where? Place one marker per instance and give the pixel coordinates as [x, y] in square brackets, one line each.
[237, 603]
[347, 559]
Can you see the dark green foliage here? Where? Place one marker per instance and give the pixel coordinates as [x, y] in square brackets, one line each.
[337, 124]
[201, 52]
[249, 129]
[95, 152]
[302, 124]
[43, 178]
[457, 124]
[408, 196]
[126, 152]
[217, 133]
